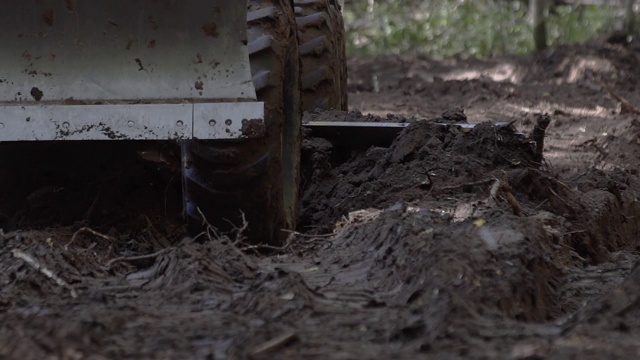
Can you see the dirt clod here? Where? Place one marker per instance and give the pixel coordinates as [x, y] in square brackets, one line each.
[36, 93]
[210, 29]
[252, 127]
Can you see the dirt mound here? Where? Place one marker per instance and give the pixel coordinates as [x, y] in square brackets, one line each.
[607, 325]
[425, 277]
[425, 162]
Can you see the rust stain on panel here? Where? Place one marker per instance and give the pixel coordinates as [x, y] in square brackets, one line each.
[70, 5]
[48, 17]
[210, 29]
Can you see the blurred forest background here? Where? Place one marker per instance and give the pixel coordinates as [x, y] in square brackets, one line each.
[445, 28]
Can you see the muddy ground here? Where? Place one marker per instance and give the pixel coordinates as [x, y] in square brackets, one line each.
[445, 242]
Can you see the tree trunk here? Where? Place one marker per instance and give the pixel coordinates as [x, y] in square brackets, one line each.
[539, 24]
[630, 17]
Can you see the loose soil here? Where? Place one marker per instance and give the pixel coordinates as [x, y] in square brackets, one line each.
[447, 242]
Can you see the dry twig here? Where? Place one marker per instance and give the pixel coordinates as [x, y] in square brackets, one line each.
[559, 197]
[89, 214]
[34, 263]
[240, 230]
[137, 258]
[625, 105]
[108, 238]
[549, 177]
[511, 199]
[309, 235]
[286, 245]
[475, 183]
[537, 135]
[272, 344]
[239, 241]
[503, 185]
[156, 236]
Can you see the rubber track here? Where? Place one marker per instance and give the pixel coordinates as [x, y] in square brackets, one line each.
[322, 53]
[220, 178]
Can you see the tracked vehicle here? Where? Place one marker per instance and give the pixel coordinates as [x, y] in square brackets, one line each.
[226, 81]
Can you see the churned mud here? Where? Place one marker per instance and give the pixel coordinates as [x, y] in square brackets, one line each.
[446, 241]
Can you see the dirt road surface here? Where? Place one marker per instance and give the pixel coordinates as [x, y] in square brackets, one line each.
[446, 242]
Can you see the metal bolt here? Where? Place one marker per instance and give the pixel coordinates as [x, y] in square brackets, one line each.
[180, 123]
[130, 123]
[212, 122]
[65, 125]
[228, 122]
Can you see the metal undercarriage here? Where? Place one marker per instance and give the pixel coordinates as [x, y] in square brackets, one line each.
[121, 69]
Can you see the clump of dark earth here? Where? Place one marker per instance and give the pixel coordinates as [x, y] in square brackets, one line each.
[426, 160]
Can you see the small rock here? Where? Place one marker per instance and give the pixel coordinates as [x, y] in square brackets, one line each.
[455, 115]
